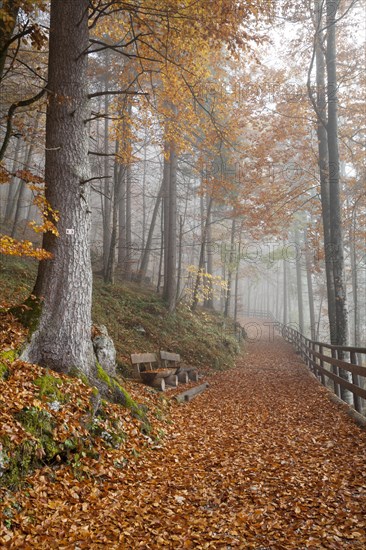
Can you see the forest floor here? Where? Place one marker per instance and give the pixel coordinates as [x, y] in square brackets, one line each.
[262, 459]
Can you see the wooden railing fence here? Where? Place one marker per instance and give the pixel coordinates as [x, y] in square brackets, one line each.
[344, 366]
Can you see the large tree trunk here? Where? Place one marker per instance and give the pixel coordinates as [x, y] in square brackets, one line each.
[321, 105]
[341, 333]
[63, 339]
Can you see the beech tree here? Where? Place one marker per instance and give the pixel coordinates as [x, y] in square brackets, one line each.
[63, 338]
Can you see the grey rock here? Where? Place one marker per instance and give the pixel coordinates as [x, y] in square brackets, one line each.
[105, 350]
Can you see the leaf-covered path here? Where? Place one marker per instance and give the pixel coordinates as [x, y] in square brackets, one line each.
[263, 460]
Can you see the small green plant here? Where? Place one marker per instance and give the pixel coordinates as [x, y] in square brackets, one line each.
[49, 387]
[17, 461]
[7, 357]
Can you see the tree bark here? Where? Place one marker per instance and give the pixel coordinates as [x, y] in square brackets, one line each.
[63, 339]
[117, 180]
[107, 193]
[209, 303]
[321, 105]
[128, 258]
[122, 252]
[13, 188]
[23, 186]
[236, 300]
[300, 301]
[170, 230]
[230, 269]
[309, 279]
[285, 293]
[180, 256]
[201, 258]
[341, 329]
[146, 253]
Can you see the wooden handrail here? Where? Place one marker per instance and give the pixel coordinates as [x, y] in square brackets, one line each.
[315, 359]
[312, 353]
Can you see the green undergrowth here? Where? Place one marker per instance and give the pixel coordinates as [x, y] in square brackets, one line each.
[137, 320]
[137, 410]
[53, 420]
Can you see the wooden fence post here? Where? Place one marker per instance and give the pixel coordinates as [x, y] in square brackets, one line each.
[335, 370]
[321, 364]
[356, 382]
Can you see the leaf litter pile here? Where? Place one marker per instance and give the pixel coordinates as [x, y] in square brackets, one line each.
[262, 459]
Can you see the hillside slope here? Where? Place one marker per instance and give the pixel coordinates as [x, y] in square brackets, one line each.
[48, 419]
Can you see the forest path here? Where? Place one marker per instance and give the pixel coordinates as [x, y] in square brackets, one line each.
[262, 459]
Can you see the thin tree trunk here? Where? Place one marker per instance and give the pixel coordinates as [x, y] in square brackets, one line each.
[209, 302]
[23, 186]
[355, 284]
[122, 246]
[128, 260]
[236, 297]
[144, 209]
[319, 317]
[230, 269]
[118, 177]
[12, 191]
[285, 293]
[309, 279]
[147, 250]
[300, 301]
[162, 246]
[180, 254]
[201, 258]
[165, 211]
[277, 312]
[107, 193]
[170, 234]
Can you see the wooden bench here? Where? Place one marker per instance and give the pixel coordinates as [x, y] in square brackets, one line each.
[146, 368]
[184, 373]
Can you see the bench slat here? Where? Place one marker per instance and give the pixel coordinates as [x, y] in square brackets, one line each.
[168, 356]
[137, 358]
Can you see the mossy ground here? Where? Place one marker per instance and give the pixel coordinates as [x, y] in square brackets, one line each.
[137, 320]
